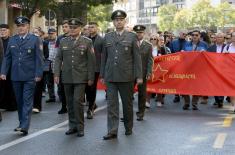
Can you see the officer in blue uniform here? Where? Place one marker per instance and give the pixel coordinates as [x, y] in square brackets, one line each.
[24, 56]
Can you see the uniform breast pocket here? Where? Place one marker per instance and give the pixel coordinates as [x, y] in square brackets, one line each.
[127, 46]
[29, 50]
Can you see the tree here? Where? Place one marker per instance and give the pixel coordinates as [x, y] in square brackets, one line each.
[100, 14]
[204, 15]
[226, 14]
[166, 17]
[76, 8]
[182, 19]
[29, 7]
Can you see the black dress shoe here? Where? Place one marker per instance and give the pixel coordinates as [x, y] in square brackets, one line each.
[176, 99]
[128, 132]
[121, 119]
[220, 105]
[50, 100]
[195, 107]
[17, 129]
[62, 111]
[186, 107]
[139, 119]
[215, 103]
[71, 131]
[24, 132]
[110, 136]
[80, 134]
[89, 114]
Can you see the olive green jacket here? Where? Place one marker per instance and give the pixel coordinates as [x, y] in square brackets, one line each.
[121, 59]
[76, 58]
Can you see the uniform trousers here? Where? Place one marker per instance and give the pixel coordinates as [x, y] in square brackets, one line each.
[74, 97]
[126, 92]
[24, 92]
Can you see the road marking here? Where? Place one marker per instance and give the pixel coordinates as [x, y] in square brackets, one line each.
[30, 136]
[228, 121]
[219, 141]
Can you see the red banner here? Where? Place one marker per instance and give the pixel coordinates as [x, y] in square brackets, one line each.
[194, 73]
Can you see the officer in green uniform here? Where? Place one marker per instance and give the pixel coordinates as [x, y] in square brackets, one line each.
[147, 63]
[120, 67]
[76, 58]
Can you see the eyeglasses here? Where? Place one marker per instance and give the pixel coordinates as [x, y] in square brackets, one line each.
[196, 35]
[153, 38]
[227, 38]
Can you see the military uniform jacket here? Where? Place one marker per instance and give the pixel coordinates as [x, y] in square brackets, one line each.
[147, 58]
[76, 58]
[98, 45]
[121, 60]
[24, 57]
[1, 52]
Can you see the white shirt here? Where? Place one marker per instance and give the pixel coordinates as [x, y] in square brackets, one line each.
[219, 48]
[231, 48]
[155, 51]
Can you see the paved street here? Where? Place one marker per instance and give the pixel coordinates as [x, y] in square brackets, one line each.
[166, 130]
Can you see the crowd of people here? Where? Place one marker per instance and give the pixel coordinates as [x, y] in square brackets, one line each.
[37, 62]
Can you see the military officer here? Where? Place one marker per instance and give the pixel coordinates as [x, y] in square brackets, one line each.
[147, 63]
[120, 67]
[77, 58]
[24, 56]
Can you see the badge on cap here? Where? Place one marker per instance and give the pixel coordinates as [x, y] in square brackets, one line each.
[119, 13]
[20, 20]
[138, 28]
[73, 22]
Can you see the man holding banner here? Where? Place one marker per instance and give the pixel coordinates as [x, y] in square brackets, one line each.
[194, 45]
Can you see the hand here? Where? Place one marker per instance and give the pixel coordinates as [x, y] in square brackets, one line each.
[148, 77]
[56, 79]
[102, 80]
[139, 81]
[3, 77]
[90, 82]
[37, 79]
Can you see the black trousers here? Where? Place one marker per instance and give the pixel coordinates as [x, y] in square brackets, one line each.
[91, 91]
[61, 93]
[7, 95]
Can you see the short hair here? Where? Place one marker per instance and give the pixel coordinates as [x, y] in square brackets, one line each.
[65, 22]
[196, 31]
[93, 23]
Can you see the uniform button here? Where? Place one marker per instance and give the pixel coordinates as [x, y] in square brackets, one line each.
[20, 53]
[115, 63]
[116, 57]
[19, 58]
[72, 61]
[116, 51]
[72, 56]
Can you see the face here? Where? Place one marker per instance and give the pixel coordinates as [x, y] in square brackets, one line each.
[233, 37]
[36, 32]
[65, 28]
[86, 31]
[182, 35]
[75, 30]
[92, 29]
[119, 23]
[4, 33]
[52, 36]
[195, 36]
[213, 38]
[140, 35]
[219, 38]
[23, 29]
[228, 39]
[161, 41]
[154, 40]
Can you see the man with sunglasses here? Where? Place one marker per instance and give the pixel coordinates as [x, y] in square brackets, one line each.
[24, 57]
[176, 46]
[194, 45]
[77, 58]
[120, 66]
[147, 63]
